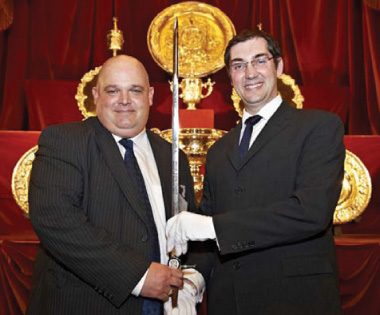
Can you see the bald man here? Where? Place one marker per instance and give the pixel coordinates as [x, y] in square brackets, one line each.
[102, 232]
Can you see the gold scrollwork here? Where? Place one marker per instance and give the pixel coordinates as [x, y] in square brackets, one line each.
[21, 177]
[204, 32]
[356, 190]
[195, 142]
[84, 95]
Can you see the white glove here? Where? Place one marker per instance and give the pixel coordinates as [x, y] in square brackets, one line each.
[188, 296]
[187, 226]
[185, 304]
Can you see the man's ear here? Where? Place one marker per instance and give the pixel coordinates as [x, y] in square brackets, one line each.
[151, 93]
[95, 93]
[280, 67]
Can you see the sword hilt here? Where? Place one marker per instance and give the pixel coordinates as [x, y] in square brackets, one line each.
[175, 263]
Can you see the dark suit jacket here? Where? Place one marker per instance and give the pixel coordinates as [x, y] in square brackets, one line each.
[93, 230]
[272, 214]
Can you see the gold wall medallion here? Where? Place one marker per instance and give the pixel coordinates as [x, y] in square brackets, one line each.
[20, 179]
[356, 190]
[204, 32]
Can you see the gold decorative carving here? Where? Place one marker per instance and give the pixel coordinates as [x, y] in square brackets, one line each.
[115, 38]
[195, 142]
[21, 177]
[192, 91]
[204, 32]
[84, 97]
[287, 87]
[356, 190]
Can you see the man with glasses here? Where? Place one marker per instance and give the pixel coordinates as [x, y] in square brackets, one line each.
[270, 190]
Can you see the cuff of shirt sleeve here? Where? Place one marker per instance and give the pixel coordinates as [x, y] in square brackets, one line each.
[210, 228]
[215, 237]
[137, 290]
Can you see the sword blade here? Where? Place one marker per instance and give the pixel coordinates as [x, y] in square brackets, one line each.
[175, 142]
[175, 124]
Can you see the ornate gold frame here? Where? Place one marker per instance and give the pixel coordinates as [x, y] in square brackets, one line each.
[84, 95]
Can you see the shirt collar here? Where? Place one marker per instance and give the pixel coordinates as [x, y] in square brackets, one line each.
[267, 110]
[140, 140]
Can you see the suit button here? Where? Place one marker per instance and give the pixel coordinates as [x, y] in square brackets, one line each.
[236, 265]
[238, 190]
[144, 237]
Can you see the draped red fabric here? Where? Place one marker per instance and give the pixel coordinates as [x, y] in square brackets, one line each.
[359, 273]
[16, 267]
[328, 46]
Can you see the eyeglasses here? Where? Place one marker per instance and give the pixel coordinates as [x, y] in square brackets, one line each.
[259, 63]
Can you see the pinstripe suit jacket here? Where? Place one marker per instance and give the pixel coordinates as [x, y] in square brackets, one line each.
[272, 214]
[91, 224]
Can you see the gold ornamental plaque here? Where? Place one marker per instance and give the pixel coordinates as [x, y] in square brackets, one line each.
[204, 32]
[21, 177]
[84, 94]
[356, 190]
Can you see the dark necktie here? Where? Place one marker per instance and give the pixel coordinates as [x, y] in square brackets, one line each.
[150, 306]
[244, 143]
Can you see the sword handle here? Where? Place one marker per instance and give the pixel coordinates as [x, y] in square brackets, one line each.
[175, 263]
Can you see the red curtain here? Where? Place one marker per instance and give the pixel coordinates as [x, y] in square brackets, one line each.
[328, 45]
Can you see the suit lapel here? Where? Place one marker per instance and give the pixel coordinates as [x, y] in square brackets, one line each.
[233, 147]
[111, 153]
[276, 123]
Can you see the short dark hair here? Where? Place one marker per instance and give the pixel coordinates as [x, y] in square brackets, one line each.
[273, 46]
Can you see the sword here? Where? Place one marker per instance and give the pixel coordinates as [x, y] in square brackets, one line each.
[174, 261]
[175, 124]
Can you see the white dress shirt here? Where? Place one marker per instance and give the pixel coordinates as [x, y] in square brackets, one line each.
[147, 163]
[266, 113]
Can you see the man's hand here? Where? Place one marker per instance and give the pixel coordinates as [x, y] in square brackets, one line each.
[187, 226]
[160, 281]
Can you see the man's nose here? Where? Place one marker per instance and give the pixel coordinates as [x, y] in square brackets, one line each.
[251, 70]
[124, 97]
